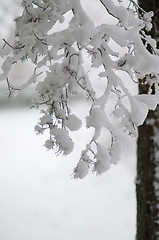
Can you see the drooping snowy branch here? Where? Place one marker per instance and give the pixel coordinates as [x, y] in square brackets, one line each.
[60, 56]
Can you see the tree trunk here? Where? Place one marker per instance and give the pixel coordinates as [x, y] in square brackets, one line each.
[147, 183]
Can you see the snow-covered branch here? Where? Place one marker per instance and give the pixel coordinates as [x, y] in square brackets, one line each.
[60, 56]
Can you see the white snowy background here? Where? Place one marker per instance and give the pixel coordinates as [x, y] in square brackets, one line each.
[39, 200]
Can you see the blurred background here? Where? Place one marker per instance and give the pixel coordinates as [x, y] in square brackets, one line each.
[39, 199]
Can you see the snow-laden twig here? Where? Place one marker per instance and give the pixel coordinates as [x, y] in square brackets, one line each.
[61, 56]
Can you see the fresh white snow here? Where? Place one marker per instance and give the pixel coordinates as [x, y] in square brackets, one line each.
[40, 200]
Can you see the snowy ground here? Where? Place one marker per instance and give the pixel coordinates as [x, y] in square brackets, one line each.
[39, 199]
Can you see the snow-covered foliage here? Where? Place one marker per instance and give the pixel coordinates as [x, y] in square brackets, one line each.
[58, 56]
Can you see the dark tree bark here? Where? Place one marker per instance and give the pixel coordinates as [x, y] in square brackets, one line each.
[147, 183]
